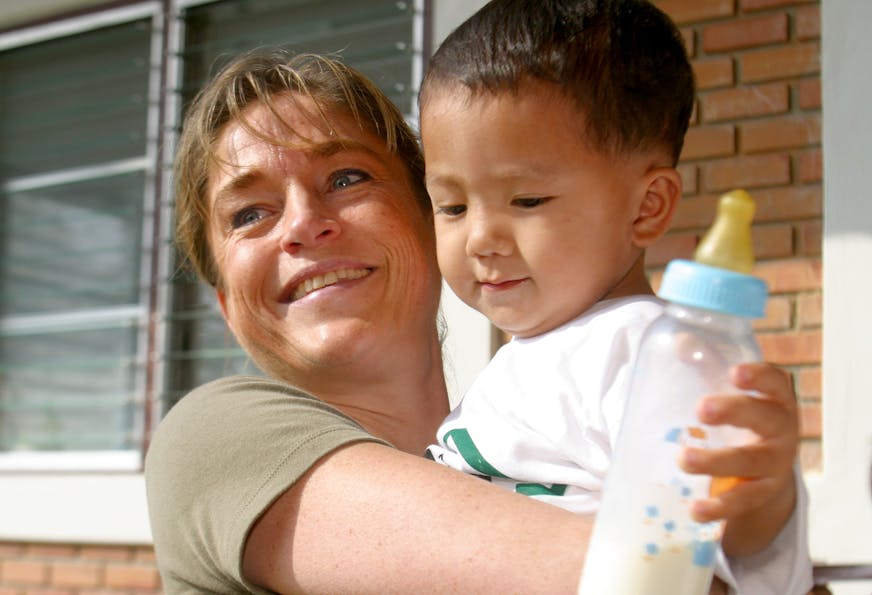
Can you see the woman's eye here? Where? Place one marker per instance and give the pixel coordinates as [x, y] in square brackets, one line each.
[451, 210]
[247, 216]
[529, 203]
[349, 177]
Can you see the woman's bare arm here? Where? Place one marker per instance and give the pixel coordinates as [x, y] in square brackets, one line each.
[368, 518]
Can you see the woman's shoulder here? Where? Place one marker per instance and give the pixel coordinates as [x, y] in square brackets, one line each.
[247, 407]
[236, 385]
[221, 456]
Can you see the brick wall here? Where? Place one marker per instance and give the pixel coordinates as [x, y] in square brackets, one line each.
[50, 569]
[757, 126]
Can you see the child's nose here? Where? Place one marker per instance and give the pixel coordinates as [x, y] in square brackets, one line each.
[488, 235]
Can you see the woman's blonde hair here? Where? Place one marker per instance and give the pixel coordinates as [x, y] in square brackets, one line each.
[259, 77]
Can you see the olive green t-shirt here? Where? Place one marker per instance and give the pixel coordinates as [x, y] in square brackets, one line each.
[218, 460]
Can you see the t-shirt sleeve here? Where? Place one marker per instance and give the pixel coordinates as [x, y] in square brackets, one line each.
[218, 460]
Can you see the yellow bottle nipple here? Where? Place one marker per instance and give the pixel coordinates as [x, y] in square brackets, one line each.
[727, 244]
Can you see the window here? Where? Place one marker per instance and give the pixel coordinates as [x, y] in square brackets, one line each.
[100, 330]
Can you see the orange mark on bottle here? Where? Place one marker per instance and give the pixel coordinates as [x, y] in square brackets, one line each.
[695, 432]
[719, 485]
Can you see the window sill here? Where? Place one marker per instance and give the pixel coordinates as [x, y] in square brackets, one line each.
[74, 508]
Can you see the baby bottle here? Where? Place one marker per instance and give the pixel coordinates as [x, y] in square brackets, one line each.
[644, 539]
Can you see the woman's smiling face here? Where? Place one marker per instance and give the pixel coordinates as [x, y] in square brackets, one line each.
[323, 253]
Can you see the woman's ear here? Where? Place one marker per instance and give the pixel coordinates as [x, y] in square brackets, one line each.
[222, 303]
[662, 190]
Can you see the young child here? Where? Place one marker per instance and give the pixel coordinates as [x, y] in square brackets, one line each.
[551, 131]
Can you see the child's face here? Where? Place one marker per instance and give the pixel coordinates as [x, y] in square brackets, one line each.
[533, 226]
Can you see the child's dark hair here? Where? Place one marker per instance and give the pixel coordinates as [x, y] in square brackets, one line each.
[622, 62]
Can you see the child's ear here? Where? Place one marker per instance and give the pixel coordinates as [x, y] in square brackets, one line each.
[662, 189]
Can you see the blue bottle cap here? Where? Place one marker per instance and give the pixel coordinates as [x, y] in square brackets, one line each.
[719, 290]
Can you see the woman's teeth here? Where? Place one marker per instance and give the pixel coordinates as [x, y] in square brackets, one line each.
[315, 283]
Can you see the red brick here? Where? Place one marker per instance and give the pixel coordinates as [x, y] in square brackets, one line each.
[669, 247]
[792, 202]
[709, 141]
[689, 37]
[69, 574]
[695, 212]
[714, 72]
[808, 22]
[752, 5]
[790, 275]
[744, 33]
[685, 11]
[772, 241]
[744, 102]
[11, 550]
[810, 166]
[773, 204]
[810, 420]
[24, 572]
[745, 172]
[778, 315]
[809, 238]
[790, 349]
[694, 114]
[49, 550]
[129, 576]
[780, 62]
[107, 552]
[689, 178]
[145, 554]
[808, 93]
[785, 132]
[809, 310]
[809, 383]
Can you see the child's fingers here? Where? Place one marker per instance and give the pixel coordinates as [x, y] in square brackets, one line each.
[743, 497]
[773, 383]
[764, 417]
[749, 461]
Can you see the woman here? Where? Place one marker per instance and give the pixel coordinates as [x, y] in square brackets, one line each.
[300, 199]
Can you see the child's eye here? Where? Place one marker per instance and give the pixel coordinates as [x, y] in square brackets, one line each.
[247, 216]
[451, 210]
[348, 177]
[529, 203]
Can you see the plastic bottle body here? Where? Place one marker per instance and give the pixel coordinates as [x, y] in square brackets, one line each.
[644, 539]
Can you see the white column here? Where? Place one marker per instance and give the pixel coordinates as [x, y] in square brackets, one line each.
[841, 513]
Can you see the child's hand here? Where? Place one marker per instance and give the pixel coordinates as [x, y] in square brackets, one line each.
[757, 506]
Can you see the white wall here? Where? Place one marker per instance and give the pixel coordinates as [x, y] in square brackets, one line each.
[841, 514]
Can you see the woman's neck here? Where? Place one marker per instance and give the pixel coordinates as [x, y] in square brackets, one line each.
[402, 400]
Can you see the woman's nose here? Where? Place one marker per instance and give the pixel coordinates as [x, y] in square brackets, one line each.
[306, 222]
[488, 236]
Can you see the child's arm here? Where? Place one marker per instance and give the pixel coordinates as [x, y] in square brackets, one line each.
[757, 508]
